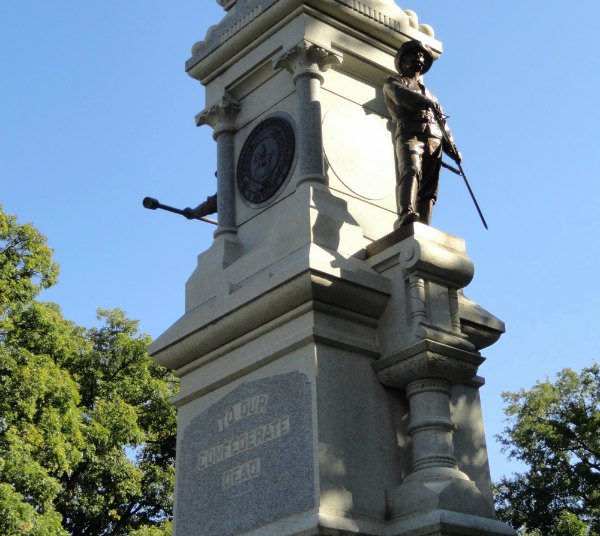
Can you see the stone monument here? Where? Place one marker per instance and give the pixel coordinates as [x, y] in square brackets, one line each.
[328, 362]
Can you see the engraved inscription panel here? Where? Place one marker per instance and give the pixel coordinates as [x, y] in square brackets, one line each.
[247, 461]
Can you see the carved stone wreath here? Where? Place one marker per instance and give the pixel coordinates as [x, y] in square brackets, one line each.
[265, 160]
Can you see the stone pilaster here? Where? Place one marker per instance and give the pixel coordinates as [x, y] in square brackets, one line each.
[221, 118]
[306, 62]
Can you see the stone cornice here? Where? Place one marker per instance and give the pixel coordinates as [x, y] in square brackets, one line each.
[247, 20]
[201, 331]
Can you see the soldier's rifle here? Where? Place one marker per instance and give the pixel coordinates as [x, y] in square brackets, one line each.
[152, 204]
[441, 118]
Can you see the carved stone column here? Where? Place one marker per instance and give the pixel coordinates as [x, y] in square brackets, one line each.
[430, 427]
[306, 62]
[221, 118]
[427, 361]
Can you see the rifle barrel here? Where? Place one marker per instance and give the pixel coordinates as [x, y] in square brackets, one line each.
[459, 171]
[152, 204]
[472, 195]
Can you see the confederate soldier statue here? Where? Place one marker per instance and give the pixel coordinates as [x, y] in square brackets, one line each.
[421, 133]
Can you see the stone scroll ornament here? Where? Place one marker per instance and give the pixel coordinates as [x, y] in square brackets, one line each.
[265, 160]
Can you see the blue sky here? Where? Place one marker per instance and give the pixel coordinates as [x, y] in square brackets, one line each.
[97, 112]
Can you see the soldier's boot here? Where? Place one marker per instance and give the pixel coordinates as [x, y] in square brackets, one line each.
[407, 200]
[425, 208]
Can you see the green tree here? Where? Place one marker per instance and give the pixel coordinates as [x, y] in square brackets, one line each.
[87, 429]
[26, 265]
[554, 429]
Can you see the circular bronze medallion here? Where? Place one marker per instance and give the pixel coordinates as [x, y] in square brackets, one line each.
[265, 160]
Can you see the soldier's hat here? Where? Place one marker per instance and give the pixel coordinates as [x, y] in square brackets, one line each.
[409, 45]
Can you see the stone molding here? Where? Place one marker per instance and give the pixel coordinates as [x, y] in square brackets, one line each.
[445, 522]
[382, 18]
[197, 334]
[242, 22]
[428, 384]
[427, 359]
[235, 20]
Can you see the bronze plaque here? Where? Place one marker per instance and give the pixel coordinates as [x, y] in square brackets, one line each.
[265, 160]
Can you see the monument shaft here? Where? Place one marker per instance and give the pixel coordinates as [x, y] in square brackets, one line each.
[328, 363]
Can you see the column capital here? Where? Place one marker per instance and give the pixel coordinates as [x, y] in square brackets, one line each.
[220, 116]
[307, 59]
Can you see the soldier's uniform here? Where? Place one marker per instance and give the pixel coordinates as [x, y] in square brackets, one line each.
[419, 140]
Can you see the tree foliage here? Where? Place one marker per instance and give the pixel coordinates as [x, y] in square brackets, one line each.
[554, 429]
[26, 265]
[87, 429]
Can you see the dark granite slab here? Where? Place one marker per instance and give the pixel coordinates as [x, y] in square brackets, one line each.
[247, 461]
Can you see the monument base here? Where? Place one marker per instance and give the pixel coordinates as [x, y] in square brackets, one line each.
[446, 523]
[313, 405]
[431, 490]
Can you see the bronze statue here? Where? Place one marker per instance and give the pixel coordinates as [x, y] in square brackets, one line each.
[421, 133]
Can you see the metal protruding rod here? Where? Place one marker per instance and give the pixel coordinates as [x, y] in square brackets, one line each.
[152, 204]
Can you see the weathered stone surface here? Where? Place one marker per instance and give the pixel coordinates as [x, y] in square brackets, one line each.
[247, 460]
[358, 149]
